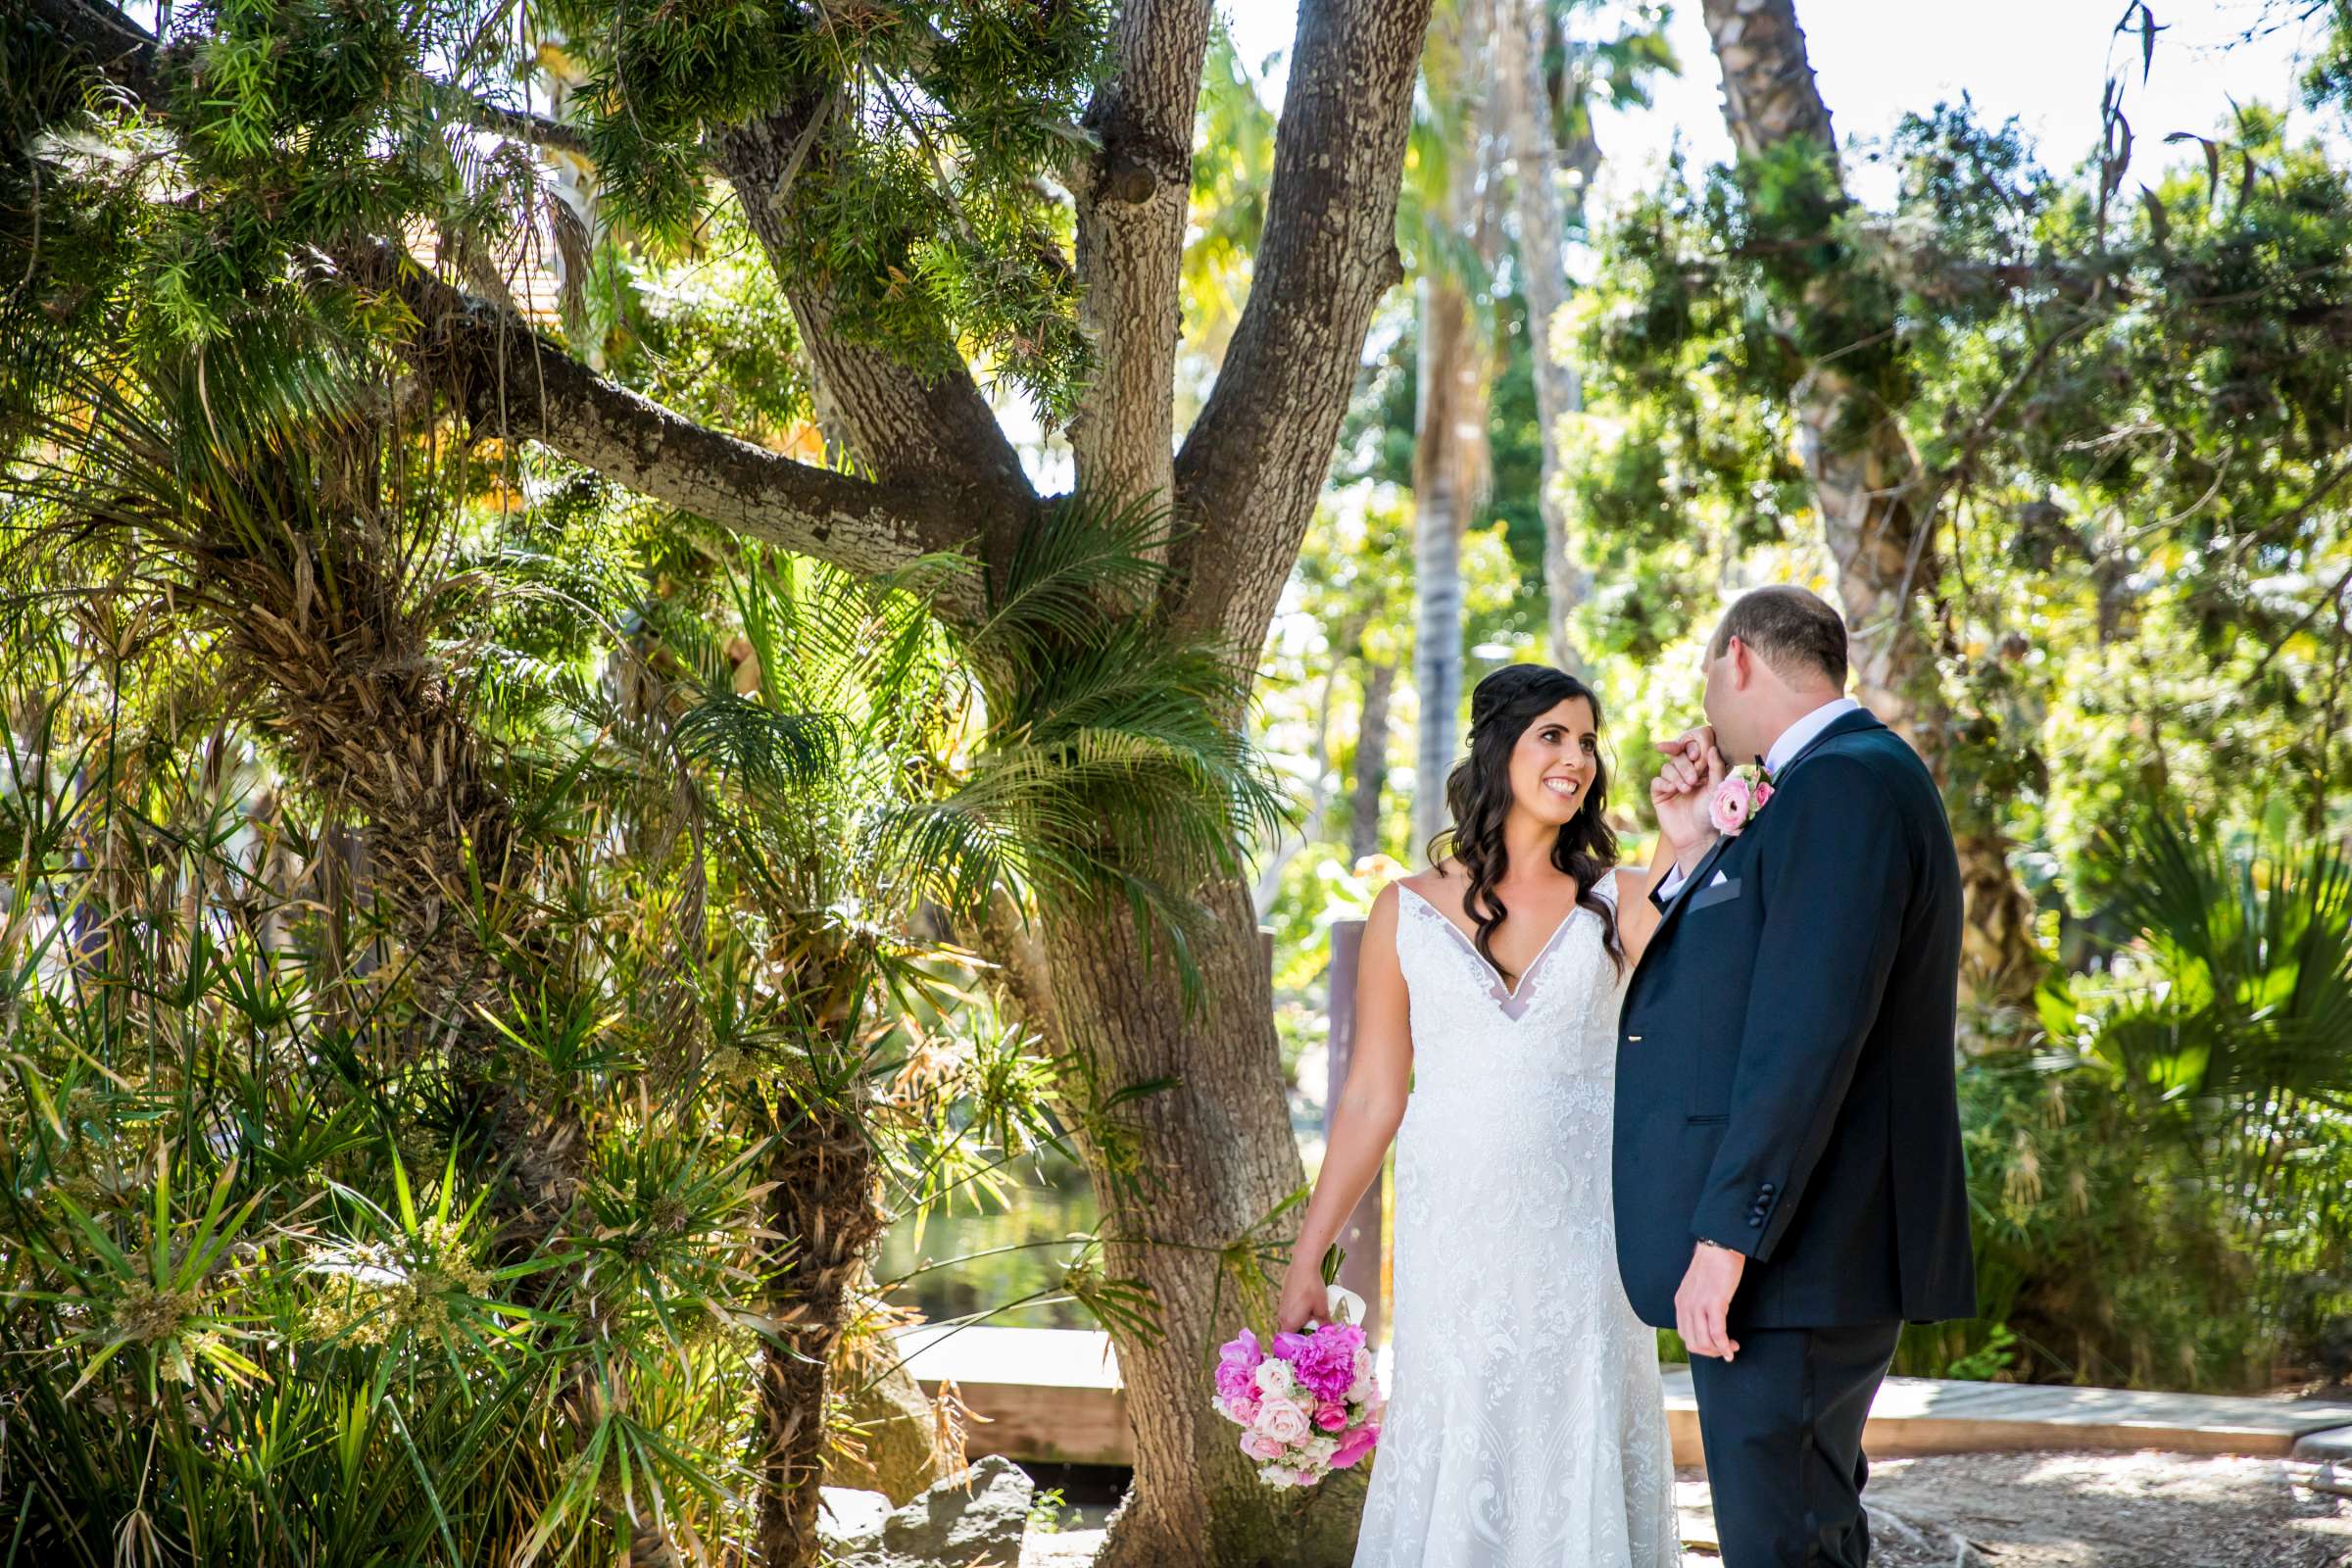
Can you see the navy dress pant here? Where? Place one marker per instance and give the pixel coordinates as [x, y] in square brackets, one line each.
[1782, 1425]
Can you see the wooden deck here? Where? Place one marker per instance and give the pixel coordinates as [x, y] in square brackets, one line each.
[1054, 1395]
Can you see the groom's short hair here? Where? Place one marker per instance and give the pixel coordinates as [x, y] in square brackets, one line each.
[1791, 627]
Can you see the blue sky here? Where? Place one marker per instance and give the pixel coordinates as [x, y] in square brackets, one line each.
[2043, 61]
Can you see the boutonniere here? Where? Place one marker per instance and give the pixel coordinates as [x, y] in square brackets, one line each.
[1742, 793]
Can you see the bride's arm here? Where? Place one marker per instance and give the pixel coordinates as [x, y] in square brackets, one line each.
[1365, 1120]
[1637, 914]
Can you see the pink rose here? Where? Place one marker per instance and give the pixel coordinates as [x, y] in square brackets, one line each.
[1261, 1447]
[1355, 1446]
[1331, 1415]
[1763, 794]
[1733, 804]
[1279, 1419]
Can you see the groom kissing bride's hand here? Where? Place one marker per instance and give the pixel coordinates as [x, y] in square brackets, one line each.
[1787, 1166]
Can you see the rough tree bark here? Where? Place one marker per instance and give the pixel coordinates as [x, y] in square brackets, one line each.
[1244, 480]
[1877, 509]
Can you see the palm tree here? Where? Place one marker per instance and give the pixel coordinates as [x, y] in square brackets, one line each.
[1451, 211]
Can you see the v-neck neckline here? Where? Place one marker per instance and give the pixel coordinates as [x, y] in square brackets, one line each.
[1510, 994]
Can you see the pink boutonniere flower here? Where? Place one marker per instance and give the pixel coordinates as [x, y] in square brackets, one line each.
[1738, 798]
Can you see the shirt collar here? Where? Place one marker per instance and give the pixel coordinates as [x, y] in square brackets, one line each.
[1797, 736]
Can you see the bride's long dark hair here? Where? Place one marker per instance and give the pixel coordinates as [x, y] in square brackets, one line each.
[1478, 794]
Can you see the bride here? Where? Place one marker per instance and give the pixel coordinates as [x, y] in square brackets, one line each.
[1526, 1424]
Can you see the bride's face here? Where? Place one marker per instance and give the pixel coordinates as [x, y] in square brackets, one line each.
[1555, 761]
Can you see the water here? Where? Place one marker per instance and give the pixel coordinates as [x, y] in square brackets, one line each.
[1040, 1208]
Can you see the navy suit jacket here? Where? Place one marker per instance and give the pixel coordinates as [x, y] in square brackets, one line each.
[1785, 1057]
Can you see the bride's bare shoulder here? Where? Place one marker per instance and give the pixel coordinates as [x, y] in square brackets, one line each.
[1439, 886]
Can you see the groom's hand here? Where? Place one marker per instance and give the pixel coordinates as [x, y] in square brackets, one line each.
[1704, 1301]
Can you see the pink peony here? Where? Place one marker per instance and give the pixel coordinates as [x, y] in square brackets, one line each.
[1236, 1363]
[1355, 1446]
[1326, 1365]
[1735, 801]
[1242, 1350]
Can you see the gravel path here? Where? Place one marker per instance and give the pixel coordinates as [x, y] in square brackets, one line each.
[2036, 1510]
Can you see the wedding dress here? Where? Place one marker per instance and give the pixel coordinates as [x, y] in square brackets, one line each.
[1526, 1424]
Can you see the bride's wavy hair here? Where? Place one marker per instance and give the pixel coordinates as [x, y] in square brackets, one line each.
[1478, 794]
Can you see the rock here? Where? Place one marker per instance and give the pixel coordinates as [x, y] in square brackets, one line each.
[975, 1520]
[896, 1440]
[846, 1514]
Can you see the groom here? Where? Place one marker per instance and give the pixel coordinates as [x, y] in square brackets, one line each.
[1787, 1167]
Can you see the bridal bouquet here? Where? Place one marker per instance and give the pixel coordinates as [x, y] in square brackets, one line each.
[1306, 1404]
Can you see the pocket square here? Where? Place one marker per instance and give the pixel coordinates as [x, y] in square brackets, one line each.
[1722, 890]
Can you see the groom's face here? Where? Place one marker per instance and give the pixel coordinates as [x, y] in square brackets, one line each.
[1727, 711]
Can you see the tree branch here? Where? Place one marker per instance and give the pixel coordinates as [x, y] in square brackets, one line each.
[117, 47]
[520, 125]
[1133, 196]
[1251, 467]
[506, 376]
[941, 434]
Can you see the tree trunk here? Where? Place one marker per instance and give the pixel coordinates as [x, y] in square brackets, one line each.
[1877, 507]
[1219, 1157]
[826, 1204]
[1248, 476]
[1527, 120]
[1371, 760]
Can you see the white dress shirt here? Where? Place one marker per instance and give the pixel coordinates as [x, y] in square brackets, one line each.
[1791, 741]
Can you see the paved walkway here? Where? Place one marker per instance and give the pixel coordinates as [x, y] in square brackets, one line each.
[1054, 1395]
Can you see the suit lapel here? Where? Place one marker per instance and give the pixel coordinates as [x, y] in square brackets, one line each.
[1706, 864]
[1854, 723]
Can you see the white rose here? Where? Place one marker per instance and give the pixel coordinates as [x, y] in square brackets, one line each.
[1273, 1376]
[1360, 1391]
[1275, 1475]
[1281, 1420]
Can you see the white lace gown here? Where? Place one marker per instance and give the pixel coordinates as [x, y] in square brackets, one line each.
[1526, 1421]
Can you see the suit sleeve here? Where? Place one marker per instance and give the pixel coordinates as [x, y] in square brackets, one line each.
[1835, 886]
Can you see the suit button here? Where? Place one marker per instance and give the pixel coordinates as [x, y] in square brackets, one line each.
[1766, 1189]
[1756, 1222]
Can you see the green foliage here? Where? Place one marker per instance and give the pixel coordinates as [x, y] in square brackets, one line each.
[278, 1286]
[2159, 1182]
[2129, 436]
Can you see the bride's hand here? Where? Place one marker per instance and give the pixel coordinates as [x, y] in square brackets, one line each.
[1303, 1298]
[1685, 788]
